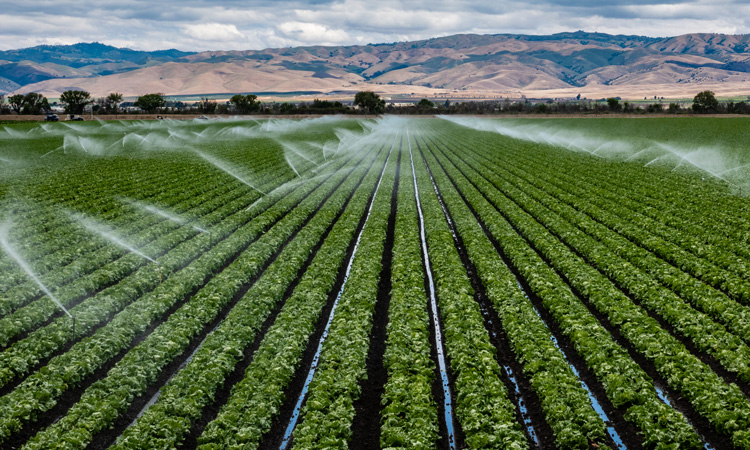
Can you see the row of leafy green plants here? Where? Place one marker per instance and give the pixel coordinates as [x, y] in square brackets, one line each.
[636, 271]
[185, 243]
[87, 279]
[722, 266]
[626, 385]
[142, 365]
[724, 406]
[52, 246]
[257, 401]
[409, 414]
[39, 392]
[662, 200]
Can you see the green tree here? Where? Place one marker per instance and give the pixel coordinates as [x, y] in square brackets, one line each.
[425, 104]
[287, 108]
[244, 104]
[370, 102]
[705, 102]
[326, 104]
[113, 101]
[16, 102]
[655, 108]
[207, 106]
[614, 104]
[34, 103]
[150, 102]
[75, 101]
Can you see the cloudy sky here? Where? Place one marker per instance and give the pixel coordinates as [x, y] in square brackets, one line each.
[257, 24]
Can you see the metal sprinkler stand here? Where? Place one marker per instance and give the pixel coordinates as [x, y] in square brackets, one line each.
[74, 326]
[159, 266]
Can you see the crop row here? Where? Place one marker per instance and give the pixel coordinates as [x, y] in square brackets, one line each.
[292, 239]
[26, 354]
[724, 406]
[604, 249]
[258, 398]
[625, 383]
[328, 412]
[38, 392]
[409, 412]
[486, 415]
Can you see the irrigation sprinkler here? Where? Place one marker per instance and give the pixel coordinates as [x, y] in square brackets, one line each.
[74, 325]
[159, 266]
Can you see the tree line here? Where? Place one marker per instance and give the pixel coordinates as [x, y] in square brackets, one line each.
[367, 102]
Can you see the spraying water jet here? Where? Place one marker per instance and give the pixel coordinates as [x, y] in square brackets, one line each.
[223, 166]
[162, 213]
[102, 230]
[11, 251]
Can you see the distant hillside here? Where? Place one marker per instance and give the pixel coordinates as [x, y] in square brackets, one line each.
[31, 65]
[555, 65]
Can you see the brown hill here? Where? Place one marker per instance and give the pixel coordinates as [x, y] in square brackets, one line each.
[560, 65]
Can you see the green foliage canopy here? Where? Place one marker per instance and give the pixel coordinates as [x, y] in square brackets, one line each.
[705, 102]
[113, 101]
[34, 103]
[245, 104]
[150, 102]
[75, 101]
[370, 102]
[16, 102]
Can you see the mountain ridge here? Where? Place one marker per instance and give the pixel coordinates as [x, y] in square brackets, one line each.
[495, 64]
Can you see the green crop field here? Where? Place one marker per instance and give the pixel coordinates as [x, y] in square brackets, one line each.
[449, 283]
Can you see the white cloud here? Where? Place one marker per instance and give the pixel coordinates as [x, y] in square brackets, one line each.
[313, 33]
[213, 32]
[255, 24]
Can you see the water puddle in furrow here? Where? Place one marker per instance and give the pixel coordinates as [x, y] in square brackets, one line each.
[665, 398]
[525, 416]
[189, 358]
[448, 402]
[316, 359]
[594, 402]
